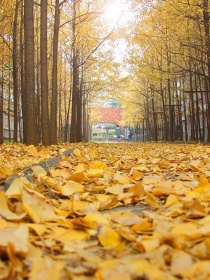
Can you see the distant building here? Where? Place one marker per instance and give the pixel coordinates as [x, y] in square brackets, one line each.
[111, 115]
[109, 118]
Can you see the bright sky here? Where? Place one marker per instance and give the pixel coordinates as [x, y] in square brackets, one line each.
[117, 10]
[118, 13]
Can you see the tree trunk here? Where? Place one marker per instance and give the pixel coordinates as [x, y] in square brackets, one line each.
[44, 76]
[22, 70]
[30, 119]
[75, 80]
[80, 109]
[1, 106]
[207, 41]
[15, 72]
[54, 102]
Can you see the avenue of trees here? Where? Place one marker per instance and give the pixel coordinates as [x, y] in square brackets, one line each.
[51, 63]
[170, 66]
[57, 61]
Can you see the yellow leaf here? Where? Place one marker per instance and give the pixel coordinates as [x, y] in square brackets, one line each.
[108, 237]
[18, 237]
[97, 218]
[184, 228]
[117, 189]
[137, 189]
[37, 207]
[38, 228]
[95, 173]
[65, 236]
[14, 188]
[171, 199]
[202, 187]
[98, 165]
[109, 264]
[79, 206]
[125, 218]
[198, 268]
[197, 210]
[69, 188]
[46, 268]
[122, 179]
[163, 188]
[38, 171]
[79, 177]
[202, 249]
[3, 224]
[143, 226]
[5, 172]
[76, 152]
[137, 175]
[150, 243]
[80, 168]
[151, 200]
[180, 260]
[5, 212]
[194, 164]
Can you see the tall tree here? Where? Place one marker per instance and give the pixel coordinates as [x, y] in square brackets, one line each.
[30, 119]
[44, 76]
[15, 71]
[75, 77]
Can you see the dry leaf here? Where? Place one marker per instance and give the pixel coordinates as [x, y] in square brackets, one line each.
[5, 212]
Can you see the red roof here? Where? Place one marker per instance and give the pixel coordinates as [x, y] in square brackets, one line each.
[110, 115]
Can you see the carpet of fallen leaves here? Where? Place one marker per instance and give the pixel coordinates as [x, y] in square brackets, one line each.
[75, 221]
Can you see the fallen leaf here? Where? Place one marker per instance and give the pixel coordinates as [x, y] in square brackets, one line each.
[108, 237]
[5, 211]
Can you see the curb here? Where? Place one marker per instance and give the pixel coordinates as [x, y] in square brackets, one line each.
[46, 164]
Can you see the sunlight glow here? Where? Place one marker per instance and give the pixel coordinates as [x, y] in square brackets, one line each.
[118, 11]
[113, 12]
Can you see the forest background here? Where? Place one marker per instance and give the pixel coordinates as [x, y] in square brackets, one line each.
[61, 60]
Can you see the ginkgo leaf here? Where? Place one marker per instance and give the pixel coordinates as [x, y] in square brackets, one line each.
[80, 168]
[202, 249]
[69, 188]
[125, 218]
[38, 228]
[76, 152]
[144, 225]
[171, 199]
[98, 165]
[95, 173]
[184, 228]
[116, 189]
[45, 267]
[5, 172]
[5, 211]
[150, 244]
[180, 260]
[79, 177]
[39, 171]
[108, 237]
[37, 208]
[14, 188]
[151, 200]
[196, 210]
[18, 237]
[137, 189]
[122, 179]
